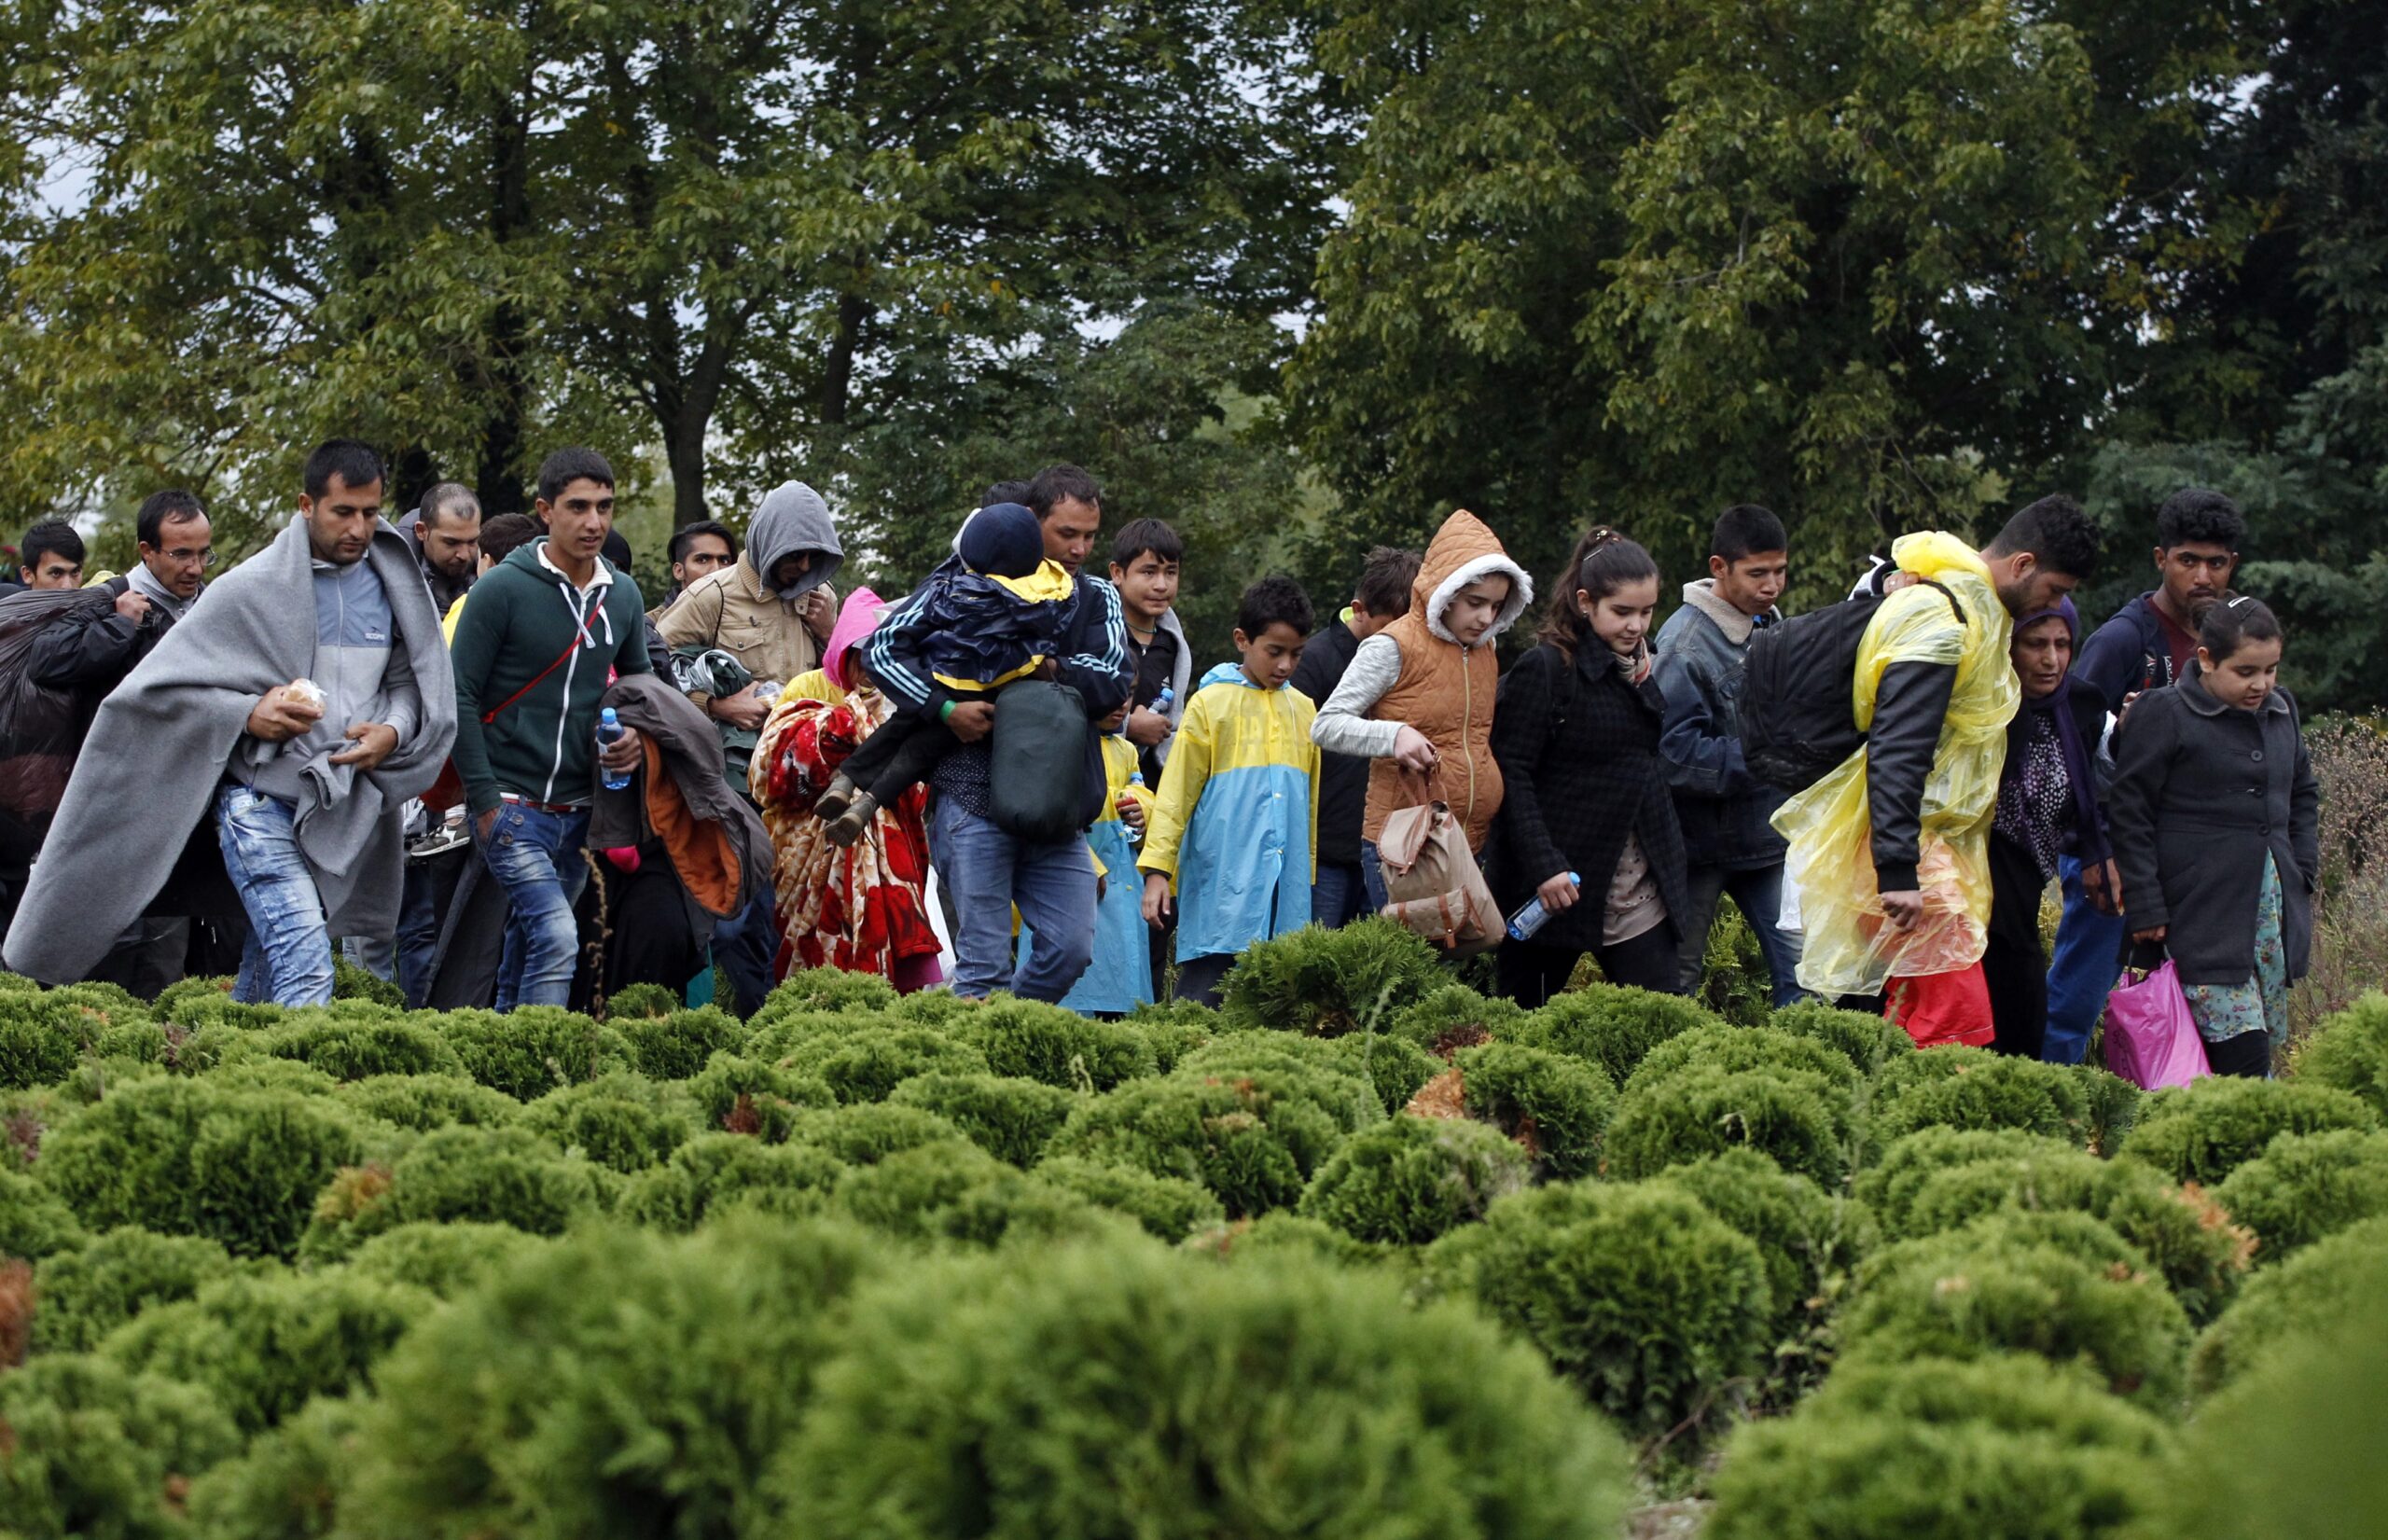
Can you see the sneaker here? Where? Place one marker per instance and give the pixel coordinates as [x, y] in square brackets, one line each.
[833, 802]
[851, 824]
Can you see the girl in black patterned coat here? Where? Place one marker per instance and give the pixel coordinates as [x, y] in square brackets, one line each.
[1576, 735]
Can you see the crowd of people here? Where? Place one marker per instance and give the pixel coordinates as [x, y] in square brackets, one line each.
[487, 772]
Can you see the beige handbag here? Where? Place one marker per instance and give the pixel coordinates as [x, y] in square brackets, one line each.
[1433, 885]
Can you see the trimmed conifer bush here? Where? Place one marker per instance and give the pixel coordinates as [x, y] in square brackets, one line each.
[352, 1045]
[1120, 1389]
[2306, 1185]
[714, 1172]
[88, 1292]
[2063, 1285]
[623, 1119]
[507, 1176]
[1411, 1179]
[1869, 1042]
[1554, 1106]
[1965, 1088]
[2348, 1052]
[1653, 1306]
[1803, 1121]
[1328, 982]
[2313, 1294]
[1012, 1119]
[533, 1050]
[738, 1095]
[1611, 1026]
[43, 1037]
[351, 982]
[866, 1134]
[1174, 1029]
[1891, 1185]
[284, 1485]
[953, 1190]
[1170, 1208]
[262, 1343]
[2204, 1131]
[1332, 1074]
[95, 1450]
[641, 1002]
[936, 1007]
[808, 990]
[1809, 1239]
[1998, 1446]
[446, 1260]
[1030, 1040]
[1255, 1138]
[674, 1045]
[2114, 1106]
[196, 1158]
[1284, 1232]
[1735, 1050]
[428, 1102]
[866, 1062]
[1454, 1017]
[34, 1222]
[622, 1383]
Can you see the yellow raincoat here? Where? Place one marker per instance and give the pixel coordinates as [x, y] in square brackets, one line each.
[1851, 949]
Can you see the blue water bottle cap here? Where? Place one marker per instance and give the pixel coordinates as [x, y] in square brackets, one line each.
[607, 717]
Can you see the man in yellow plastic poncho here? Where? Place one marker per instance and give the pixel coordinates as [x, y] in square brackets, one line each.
[1889, 852]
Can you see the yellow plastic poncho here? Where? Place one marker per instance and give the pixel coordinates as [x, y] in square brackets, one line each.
[1851, 949]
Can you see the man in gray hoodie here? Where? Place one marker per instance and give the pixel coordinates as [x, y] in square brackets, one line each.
[772, 610]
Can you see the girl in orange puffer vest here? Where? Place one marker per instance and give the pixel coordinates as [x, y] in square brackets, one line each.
[1418, 695]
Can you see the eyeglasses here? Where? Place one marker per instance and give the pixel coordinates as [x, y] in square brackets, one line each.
[202, 557]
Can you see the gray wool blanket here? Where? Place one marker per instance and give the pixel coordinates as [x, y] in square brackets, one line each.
[149, 770]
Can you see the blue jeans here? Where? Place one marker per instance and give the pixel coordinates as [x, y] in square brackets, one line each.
[536, 857]
[1338, 895]
[1758, 895]
[289, 957]
[1372, 877]
[989, 872]
[2088, 959]
[418, 932]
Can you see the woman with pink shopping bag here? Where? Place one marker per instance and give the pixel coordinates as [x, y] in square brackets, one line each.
[2215, 817]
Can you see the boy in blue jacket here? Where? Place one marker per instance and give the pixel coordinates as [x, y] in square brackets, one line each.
[1236, 825]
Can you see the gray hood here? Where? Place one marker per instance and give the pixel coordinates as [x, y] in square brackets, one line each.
[793, 518]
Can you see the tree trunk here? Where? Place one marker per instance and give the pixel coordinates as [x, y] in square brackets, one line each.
[837, 375]
[497, 478]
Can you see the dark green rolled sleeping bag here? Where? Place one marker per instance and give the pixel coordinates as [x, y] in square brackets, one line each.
[1043, 745]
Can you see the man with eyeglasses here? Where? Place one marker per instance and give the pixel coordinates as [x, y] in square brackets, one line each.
[2145, 646]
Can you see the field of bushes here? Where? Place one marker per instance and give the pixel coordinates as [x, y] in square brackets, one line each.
[1361, 1253]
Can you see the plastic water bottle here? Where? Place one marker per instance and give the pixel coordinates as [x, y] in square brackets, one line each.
[1161, 701]
[1135, 834]
[1530, 916]
[609, 732]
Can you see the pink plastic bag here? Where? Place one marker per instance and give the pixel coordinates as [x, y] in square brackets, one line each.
[2150, 1039]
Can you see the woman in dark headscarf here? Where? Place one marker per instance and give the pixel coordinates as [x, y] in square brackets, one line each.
[2048, 804]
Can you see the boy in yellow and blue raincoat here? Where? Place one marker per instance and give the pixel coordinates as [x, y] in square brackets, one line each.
[1236, 827]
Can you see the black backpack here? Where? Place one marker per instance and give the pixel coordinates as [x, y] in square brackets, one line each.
[1797, 716]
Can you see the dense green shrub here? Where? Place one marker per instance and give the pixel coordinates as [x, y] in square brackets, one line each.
[934, 1007]
[2349, 1052]
[1891, 1186]
[1809, 1239]
[446, 1260]
[507, 1176]
[197, 1158]
[2205, 1131]
[2306, 1185]
[773, 1040]
[1963, 1087]
[2113, 1107]
[1554, 1106]
[351, 982]
[1995, 1447]
[749, 1096]
[868, 1061]
[96, 1451]
[1254, 1139]
[1012, 1119]
[1174, 1029]
[198, 1005]
[1611, 1026]
[674, 1045]
[88, 1292]
[1804, 1121]
[1121, 1389]
[715, 1171]
[428, 1102]
[623, 1119]
[351, 1046]
[2063, 1285]
[622, 1384]
[263, 1343]
[1736, 1049]
[42, 1038]
[531, 1049]
[1397, 1067]
[1331, 1075]
[1284, 1234]
[866, 1134]
[953, 1190]
[1869, 1042]
[1411, 1179]
[1652, 1305]
[641, 1002]
[1169, 1207]
[1328, 982]
[284, 1485]
[1030, 1040]
[34, 1222]
[1455, 1017]
[2313, 1294]
[807, 989]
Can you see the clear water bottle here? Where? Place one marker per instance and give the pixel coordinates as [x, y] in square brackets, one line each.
[1135, 834]
[609, 732]
[1162, 702]
[1530, 916]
